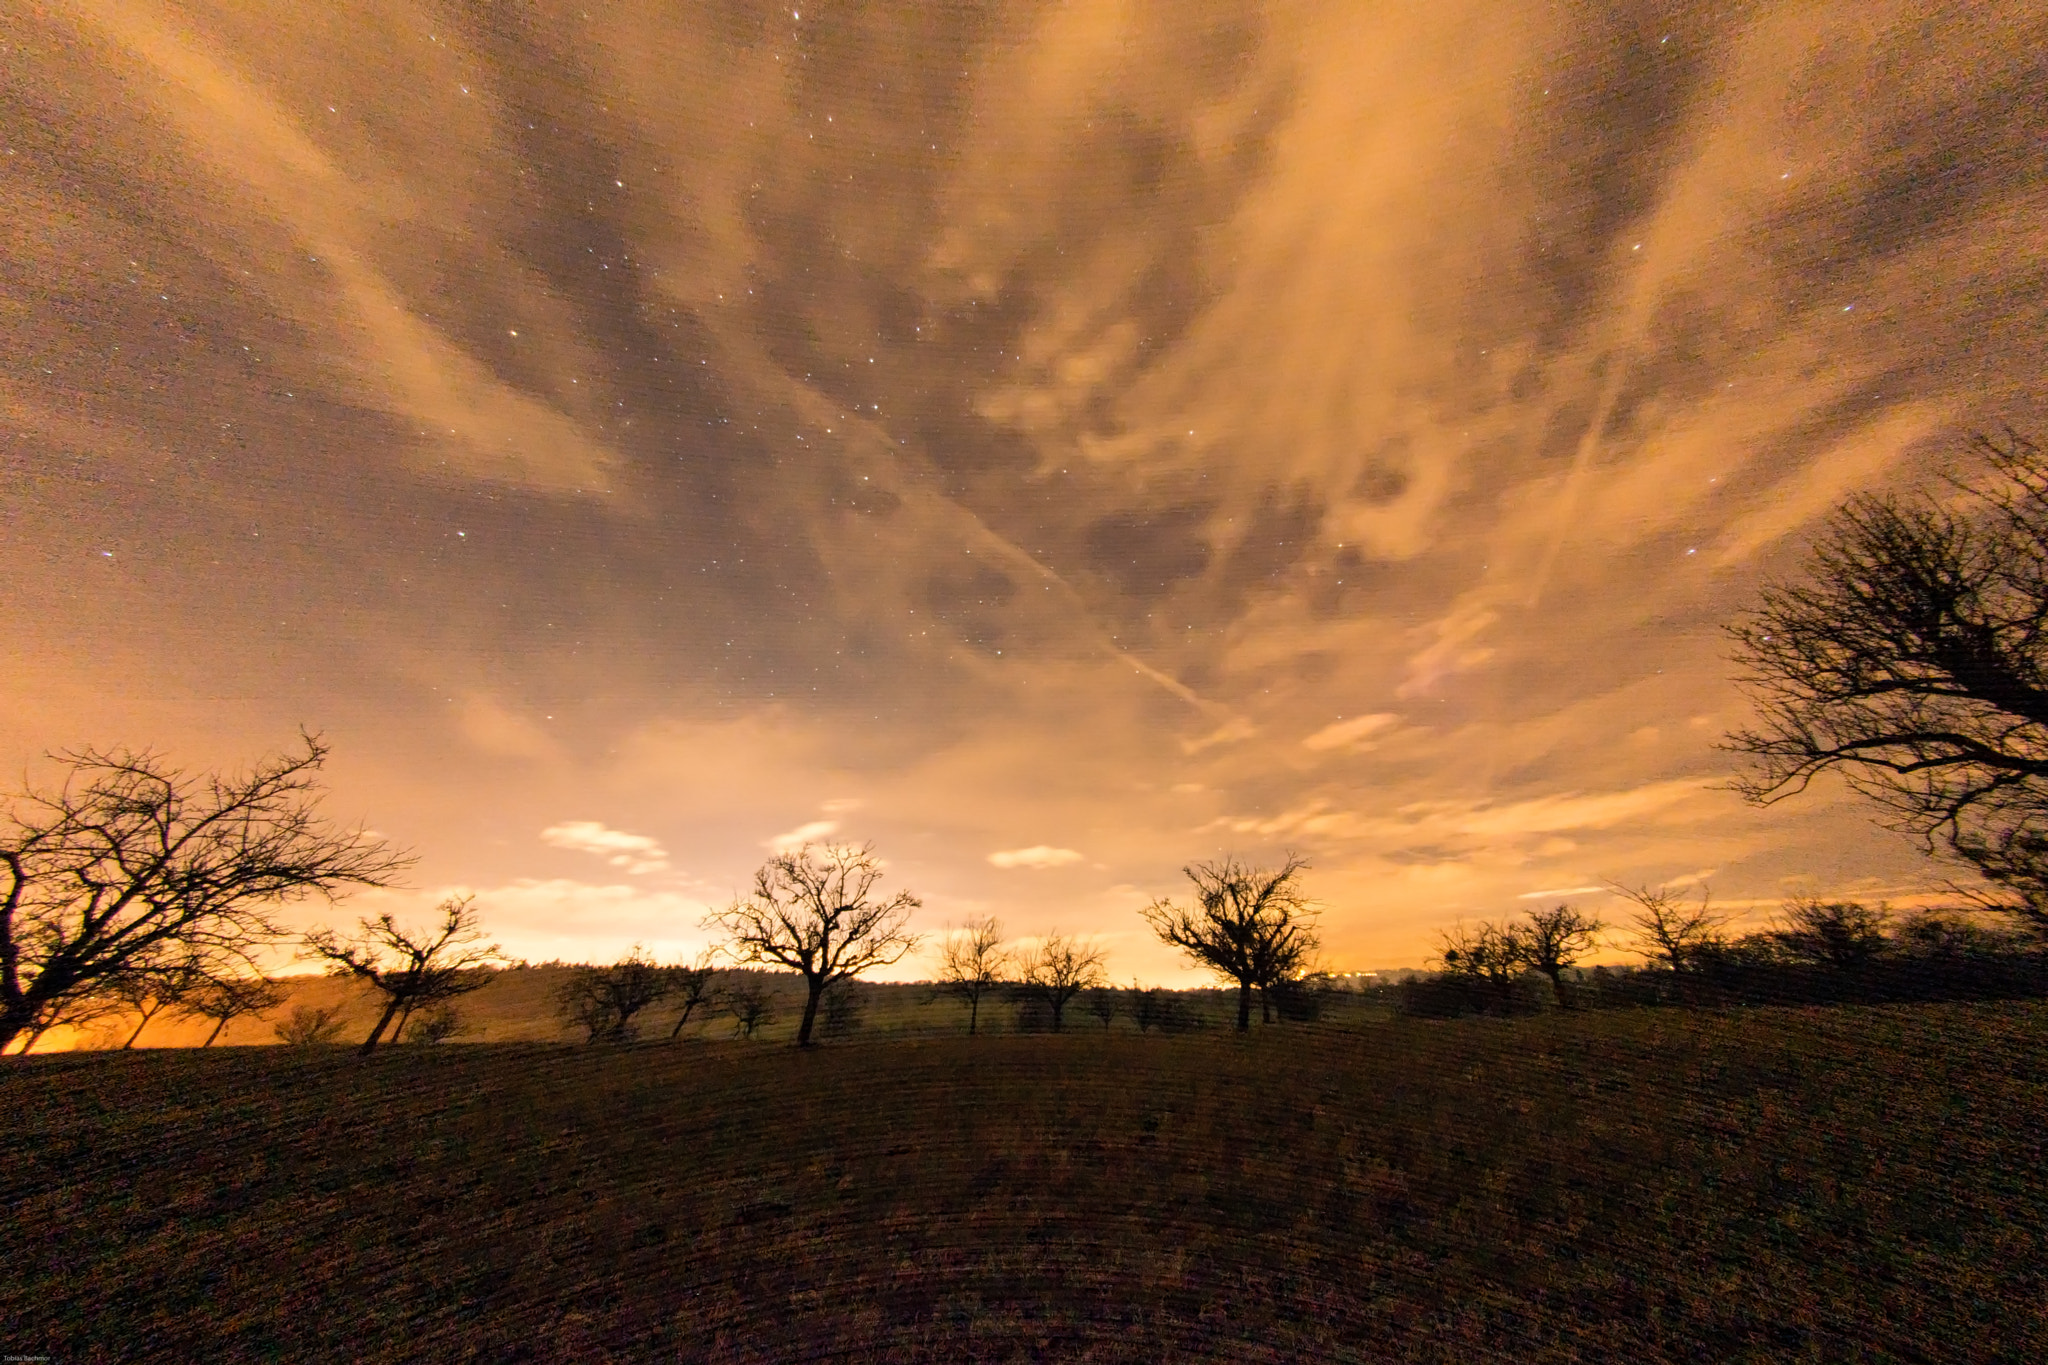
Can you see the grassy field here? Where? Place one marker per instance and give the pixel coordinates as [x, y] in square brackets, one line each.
[1847, 1184]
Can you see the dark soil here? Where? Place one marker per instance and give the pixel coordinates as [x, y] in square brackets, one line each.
[1860, 1184]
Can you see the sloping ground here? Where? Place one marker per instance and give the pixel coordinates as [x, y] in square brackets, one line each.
[1852, 1184]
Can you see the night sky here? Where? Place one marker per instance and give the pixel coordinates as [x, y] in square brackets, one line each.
[1056, 442]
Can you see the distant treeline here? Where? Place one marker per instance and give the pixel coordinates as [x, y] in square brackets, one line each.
[1821, 953]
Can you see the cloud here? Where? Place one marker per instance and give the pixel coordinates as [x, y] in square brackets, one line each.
[803, 834]
[547, 918]
[1561, 891]
[1071, 466]
[501, 732]
[1479, 822]
[1036, 857]
[636, 853]
[1233, 731]
[394, 356]
[1350, 734]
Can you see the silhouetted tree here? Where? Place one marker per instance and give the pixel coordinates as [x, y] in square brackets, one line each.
[149, 994]
[1102, 1003]
[695, 986]
[1490, 956]
[1839, 934]
[309, 1027]
[73, 1011]
[603, 1001]
[814, 913]
[1554, 940]
[748, 1002]
[1156, 1007]
[1300, 999]
[843, 1009]
[1059, 969]
[133, 869]
[1944, 934]
[1143, 1005]
[411, 971]
[1668, 930]
[972, 964]
[1912, 658]
[1250, 925]
[226, 999]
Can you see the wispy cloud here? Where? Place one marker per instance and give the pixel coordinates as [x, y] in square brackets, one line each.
[1036, 857]
[636, 853]
[1350, 734]
[794, 839]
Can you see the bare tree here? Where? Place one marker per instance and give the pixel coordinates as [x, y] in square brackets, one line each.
[1945, 934]
[1157, 1007]
[843, 1010]
[149, 994]
[1840, 934]
[73, 1011]
[132, 867]
[1912, 659]
[226, 999]
[1555, 939]
[1668, 930]
[816, 912]
[1250, 925]
[1491, 956]
[309, 1027]
[751, 1007]
[972, 965]
[1145, 1005]
[411, 970]
[695, 985]
[1057, 970]
[1103, 1004]
[603, 1001]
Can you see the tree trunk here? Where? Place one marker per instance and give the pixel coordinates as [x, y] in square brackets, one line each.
[817, 993]
[973, 1011]
[1244, 1007]
[1557, 989]
[14, 1020]
[219, 1024]
[1059, 1007]
[677, 1031]
[390, 1008]
[147, 1015]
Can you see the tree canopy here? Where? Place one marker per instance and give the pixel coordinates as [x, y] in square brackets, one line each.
[132, 871]
[816, 911]
[1911, 658]
[1252, 925]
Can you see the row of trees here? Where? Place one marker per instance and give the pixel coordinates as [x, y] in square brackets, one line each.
[137, 888]
[1813, 949]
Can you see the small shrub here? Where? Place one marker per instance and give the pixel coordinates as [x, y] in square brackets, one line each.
[1032, 1015]
[748, 1003]
[436, 1025]
[1454, 994]
[308, 1027]
[1162, 1009]
[843, 1010]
